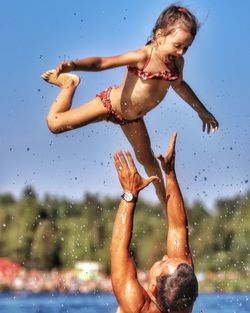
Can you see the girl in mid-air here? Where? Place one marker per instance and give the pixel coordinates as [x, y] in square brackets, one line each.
[150, 71]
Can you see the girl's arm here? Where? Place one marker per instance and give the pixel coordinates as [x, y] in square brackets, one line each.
[188, 95]
[94, 64]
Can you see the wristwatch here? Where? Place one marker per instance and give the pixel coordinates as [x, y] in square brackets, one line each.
[129, 197]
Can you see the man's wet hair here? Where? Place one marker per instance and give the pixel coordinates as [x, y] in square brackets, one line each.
[178, 291]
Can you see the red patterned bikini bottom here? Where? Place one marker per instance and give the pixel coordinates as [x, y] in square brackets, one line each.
[112, 116]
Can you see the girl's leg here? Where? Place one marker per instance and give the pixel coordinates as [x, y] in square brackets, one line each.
[138, 137]
[61, 117]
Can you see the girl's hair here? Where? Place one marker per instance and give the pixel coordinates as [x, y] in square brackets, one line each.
[175, 15]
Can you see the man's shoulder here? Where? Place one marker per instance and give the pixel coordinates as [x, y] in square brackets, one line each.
[135, 307]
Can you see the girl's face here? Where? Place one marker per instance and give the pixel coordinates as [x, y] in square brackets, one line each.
[174, 45]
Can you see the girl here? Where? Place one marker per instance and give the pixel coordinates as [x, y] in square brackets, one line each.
[151, 70]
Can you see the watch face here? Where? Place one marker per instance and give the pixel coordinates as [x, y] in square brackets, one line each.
[128, 196]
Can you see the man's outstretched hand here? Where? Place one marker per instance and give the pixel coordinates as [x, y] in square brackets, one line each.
[167, 162]
[128, 174]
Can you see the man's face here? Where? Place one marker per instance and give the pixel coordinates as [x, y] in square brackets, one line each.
[166, 266]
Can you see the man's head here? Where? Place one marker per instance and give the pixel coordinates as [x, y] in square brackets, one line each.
[176, 284]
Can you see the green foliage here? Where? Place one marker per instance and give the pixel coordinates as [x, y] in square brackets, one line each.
[56, 232]
[20, 231]
[44, 247]
[75, 241]
[6, 199]
[149, 235]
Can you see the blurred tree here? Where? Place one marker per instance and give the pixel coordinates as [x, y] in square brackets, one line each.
[45, 246]
[6, 199]
[4, 223]
[21, 227]
[29, 193]
[59, 232]
[74, 236]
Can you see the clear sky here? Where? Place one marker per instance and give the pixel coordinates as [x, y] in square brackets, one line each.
[36, 35]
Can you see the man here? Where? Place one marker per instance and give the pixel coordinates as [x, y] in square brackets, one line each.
[172, 284]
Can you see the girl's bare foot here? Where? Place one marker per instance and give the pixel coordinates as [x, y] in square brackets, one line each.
[62, 81]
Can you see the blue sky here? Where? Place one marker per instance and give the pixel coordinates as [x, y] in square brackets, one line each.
[36, 35]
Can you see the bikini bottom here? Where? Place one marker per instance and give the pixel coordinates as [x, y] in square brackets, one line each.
[111, 114]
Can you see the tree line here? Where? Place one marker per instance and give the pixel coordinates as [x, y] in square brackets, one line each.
[56, 232]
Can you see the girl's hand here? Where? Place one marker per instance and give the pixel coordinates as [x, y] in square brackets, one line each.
[65, 67]
[128, 175]
[209, 121]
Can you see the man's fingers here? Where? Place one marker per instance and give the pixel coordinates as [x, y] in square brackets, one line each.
[149, 180]
[131, 162]
[171, 146]
[117, 162]
[163, 162]
[123, 160]
[160, 157]
[153, 178]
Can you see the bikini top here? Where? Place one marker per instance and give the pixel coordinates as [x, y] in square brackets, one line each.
[167, 75]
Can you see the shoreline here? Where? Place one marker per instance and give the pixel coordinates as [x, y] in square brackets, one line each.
[71, 281]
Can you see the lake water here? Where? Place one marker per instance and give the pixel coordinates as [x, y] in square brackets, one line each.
[106, 303]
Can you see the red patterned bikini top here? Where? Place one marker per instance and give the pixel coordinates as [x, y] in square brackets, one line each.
[168, 75]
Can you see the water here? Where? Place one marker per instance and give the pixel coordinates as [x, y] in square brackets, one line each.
[106, 303]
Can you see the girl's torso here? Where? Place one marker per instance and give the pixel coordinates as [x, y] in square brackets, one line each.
[143, 89]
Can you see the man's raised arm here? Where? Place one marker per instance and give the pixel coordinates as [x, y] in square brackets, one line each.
[177, 240]
[129, 293]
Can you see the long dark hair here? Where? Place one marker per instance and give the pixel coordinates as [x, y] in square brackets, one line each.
[170, 17]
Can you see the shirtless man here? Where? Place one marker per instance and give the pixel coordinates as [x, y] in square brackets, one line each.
[172, 284]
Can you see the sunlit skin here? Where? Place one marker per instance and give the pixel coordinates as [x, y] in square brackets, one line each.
[133, 98]
[166, 266]
[131, 296]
